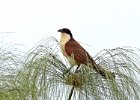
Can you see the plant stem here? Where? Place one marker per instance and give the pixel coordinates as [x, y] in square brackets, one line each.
[71, 92]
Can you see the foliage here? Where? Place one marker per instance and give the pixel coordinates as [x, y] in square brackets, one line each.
[43, 74]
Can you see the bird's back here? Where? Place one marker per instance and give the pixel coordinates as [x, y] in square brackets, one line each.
[80, 55]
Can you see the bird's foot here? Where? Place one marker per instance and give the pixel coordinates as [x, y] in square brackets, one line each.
[78, 71]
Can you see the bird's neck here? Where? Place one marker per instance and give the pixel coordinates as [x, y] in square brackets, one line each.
[64, 38]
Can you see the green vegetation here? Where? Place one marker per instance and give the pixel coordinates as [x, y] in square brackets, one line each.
[41, 74]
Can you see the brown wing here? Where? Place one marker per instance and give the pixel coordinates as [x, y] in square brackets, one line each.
[80, 55]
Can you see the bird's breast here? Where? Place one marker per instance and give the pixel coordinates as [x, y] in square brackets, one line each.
[64, 39]
[63, 49]
[69, 58]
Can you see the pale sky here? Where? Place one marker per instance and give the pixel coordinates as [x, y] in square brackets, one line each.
[97, 24]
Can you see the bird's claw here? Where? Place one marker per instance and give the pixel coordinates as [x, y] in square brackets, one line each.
[77, 71]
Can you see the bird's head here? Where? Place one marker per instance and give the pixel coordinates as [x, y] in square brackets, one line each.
[65, 31]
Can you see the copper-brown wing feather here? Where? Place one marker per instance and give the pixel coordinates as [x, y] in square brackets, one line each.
[80, 54]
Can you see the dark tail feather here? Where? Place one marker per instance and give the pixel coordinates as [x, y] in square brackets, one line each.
[105, 73]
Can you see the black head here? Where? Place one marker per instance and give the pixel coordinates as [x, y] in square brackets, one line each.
[65, 30]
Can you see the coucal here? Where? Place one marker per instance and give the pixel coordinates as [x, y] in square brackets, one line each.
[77, 55]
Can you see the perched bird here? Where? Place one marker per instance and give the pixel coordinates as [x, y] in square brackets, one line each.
[77, 55]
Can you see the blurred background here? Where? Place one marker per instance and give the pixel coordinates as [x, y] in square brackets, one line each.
[96, 24]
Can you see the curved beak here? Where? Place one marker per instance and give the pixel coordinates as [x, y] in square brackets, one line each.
[60, 30]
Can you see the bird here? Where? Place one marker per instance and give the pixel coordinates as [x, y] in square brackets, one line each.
[77, 55]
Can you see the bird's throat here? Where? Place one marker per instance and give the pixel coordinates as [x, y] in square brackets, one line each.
[64, 39]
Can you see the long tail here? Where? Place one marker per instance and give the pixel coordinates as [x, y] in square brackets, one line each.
[105, 73]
